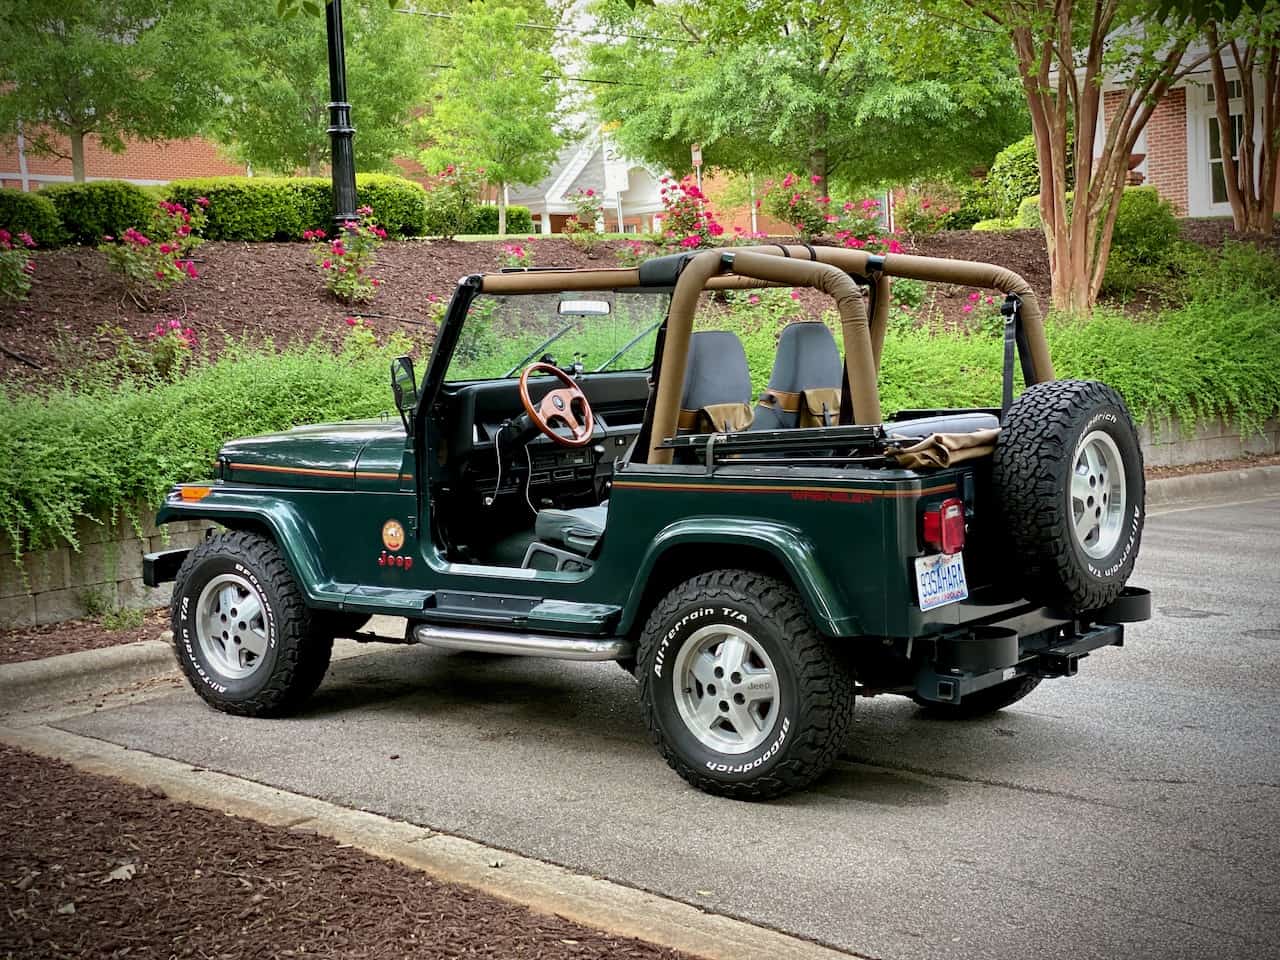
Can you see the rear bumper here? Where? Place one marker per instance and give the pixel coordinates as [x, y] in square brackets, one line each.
[162, 567]
[994, 653]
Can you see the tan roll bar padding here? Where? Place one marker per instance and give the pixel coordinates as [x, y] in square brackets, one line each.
[939, 270]
[757, 264]
[559, 281]
[675, 348]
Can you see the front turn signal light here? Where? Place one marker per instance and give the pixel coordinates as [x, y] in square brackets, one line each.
[195, 493]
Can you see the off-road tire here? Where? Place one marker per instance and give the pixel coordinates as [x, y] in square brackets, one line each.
[296, 657]
[983, 702]
[1031, 475]
[816, 692]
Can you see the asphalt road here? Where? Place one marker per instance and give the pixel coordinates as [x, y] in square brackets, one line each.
[1131, 811]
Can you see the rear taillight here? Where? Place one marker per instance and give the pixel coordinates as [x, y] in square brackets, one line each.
[944, 526]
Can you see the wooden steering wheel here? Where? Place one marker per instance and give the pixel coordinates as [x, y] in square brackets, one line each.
[558, 405]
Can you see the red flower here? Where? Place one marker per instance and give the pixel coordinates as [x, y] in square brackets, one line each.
[795, 294]
[351, 321]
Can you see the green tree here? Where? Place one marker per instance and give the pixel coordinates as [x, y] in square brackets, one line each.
[802, 84]
[274, 115]
[494, 108]
[129, 69]
[1065, 53]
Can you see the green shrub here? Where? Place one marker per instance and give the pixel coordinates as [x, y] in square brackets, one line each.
[98, 449]
[1028, 217]
[1144, 244]
[399, 205]
[1015, 175]
[1146, 227]
[258, 208]
[975, 204]
[996, 224]
[31, 213]
[484, 219]
[90, 211]
[280, 208]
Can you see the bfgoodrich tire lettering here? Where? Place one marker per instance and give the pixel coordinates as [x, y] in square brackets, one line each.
[1063, 442]
[807, 719]
[294, 657]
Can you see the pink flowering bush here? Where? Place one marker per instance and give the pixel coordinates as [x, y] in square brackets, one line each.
[587, 210]
[16, 267]
[854, 224]
[800, 202]
[924, 211]
[171, 344]
[515, 255]
[688, 222]
[160, 257]
[631, 254]
[581, 227]
[346, 259]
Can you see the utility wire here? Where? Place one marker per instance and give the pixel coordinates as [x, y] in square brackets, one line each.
[554, 76]
[558, 28]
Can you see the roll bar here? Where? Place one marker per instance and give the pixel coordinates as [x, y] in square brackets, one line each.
[833, 270]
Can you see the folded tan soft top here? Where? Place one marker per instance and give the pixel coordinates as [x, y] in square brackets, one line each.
[946, 449]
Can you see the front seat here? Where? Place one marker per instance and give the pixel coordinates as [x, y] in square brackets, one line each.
[716, 397]
[804, 388]
[578, 530]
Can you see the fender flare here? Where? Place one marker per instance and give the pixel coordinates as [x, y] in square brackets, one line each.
[292, 534]
[824, 600]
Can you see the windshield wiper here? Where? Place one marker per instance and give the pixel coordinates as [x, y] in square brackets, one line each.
[544, 344]
[628, 345]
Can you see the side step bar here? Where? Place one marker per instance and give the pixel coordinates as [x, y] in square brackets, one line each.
[522, 644]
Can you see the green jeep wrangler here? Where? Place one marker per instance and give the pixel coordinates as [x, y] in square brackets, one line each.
[581, 474]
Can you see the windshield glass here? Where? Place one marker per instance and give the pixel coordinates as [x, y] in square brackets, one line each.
[603, 329]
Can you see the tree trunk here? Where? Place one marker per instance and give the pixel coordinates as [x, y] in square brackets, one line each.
[818, 151]
[502, 209]
[77, 156]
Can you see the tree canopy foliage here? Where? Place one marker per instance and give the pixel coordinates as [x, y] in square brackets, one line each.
[139, 69]
[274, 114]
[494, 105]
[804, 85]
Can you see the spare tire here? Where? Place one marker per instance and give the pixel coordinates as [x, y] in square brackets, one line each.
[1067, 475]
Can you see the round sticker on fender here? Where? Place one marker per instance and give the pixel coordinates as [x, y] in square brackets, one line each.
[392, 535]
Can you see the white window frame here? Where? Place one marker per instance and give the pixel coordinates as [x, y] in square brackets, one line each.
[1200, 110]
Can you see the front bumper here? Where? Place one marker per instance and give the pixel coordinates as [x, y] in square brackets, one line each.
[993, 653]
[162, 567]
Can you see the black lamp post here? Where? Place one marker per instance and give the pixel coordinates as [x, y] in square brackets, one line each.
[340, 129]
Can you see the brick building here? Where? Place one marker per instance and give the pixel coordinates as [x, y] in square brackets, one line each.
[141, 163]
[1182, 156]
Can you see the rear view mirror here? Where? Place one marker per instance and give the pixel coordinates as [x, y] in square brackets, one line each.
[404, 384]
[585, 308]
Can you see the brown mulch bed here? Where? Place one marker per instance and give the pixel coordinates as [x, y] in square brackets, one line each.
[72, 636]
[258, 290]
[93, 867]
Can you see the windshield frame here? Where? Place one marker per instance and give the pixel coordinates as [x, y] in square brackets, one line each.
[442, 372]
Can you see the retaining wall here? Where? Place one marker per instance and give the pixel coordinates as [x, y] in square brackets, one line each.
[61, 584]
[107, 570]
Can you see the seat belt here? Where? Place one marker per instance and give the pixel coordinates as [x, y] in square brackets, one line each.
[1011, 310]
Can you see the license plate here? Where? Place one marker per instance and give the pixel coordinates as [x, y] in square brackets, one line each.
[940, 580]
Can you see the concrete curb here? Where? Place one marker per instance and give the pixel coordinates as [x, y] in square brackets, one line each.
[35, 683]
[1245, 484]
[32, 684]
[544, 887]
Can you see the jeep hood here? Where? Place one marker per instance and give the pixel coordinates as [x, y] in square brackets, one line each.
[326, 456]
